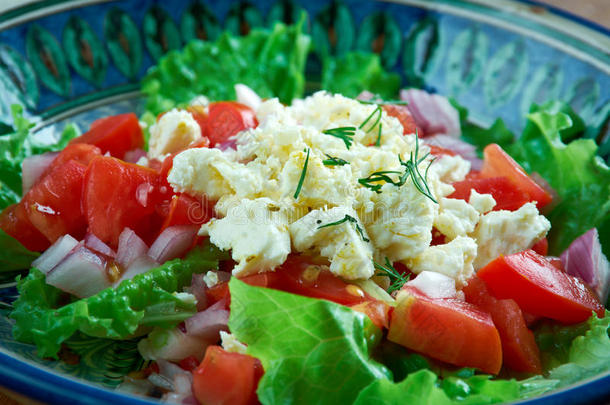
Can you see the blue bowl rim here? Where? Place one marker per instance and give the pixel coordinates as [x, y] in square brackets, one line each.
[45, 385]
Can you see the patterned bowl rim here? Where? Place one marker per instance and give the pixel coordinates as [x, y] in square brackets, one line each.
[42, 384]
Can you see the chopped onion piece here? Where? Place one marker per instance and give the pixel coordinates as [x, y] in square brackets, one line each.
[81, 273]
[130, 248]
[133, 156]
[173, 242]
[208, 323]
[464, 149]
[33, 167]
[139, 265]
[434, 114]
[172, 345]
[94, 243]
[247, 96]
[584, 258]
[365, 96]
[55, 254]
[434, 285]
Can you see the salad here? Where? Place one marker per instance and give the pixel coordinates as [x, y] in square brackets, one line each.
[362, 243]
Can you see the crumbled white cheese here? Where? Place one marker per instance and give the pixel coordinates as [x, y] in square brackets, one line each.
[508, 232]
[231, 344]
[175, 131]
[455, 217]
[210, 279]
[453, 259]
[481, 202]
[256, 231]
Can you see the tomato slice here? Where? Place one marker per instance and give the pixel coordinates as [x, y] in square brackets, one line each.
[225, 378]
[226, 119]
[540, 288]
[186, 210]
[499, 163]
[119, 195]
[402, 113]
[116, 134]
[449, 330]
[519, 349]
[16, 223]
[507, 195]
[80, 152]
[53, 204]
[440, 151]
[541, 247]
[377, 311]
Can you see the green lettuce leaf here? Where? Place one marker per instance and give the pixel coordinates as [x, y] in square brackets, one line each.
[13, 256]
[584, 349]
[576, 173]
[271, 62]
[313, 351]
[19, 143]
[481, 137]
[149, 299]
[357, 71]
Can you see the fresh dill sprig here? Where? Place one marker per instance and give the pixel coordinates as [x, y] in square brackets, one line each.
[377, 112]
[334, 161]
[378, 141]
[302, 179]
[411, 171]
[344, 133]
[397, 280]
[348, 218]
[379, 101]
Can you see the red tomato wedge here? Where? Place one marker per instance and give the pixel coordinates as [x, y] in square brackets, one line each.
[225, 378]
[519, 349]
[15, 222]
[79, 152]
[226, 119]
[116, 134]
[499, 163]
[377, 311]
[186, 210]
[440, 151]
[119, 195]
[53, 204]
[540, 288]
[507, 195]
[402, 113]
[541, 247]
[449, 330]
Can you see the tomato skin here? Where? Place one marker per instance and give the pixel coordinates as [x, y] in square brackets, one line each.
[439, 151]
[227, 118]
[189, 363]
[540, 288]
[53, 204]
[402, 113]
[115, 134]
[519, 349]
[186, 210]
[15, 222]
[449, 330]
[80, 152]
[499, 163]
[507, 195]
[119, 195]
[541, 247]
[377, 311]
[225, 378]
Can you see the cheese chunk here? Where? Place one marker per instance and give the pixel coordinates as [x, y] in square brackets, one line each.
[175, 131]
[455, 217]
[256, 231]
[345, 243]
[481, 202]
[508, 232]
[453, 259]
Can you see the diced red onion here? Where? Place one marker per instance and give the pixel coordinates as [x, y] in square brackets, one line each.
[433, 113]
[143, 191]
[94, 243]
[81, 273]
[208, 323]
[160, 381]
[55, 254]
[584, 258]
[133, 156]
[464, 149]
[139, 265]
[130, 248]
[247, 96]
[178, 346]
[198, 288]
[33, 167]
[365, 96]
[169, 370]
[173, 242]
[434, 285]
